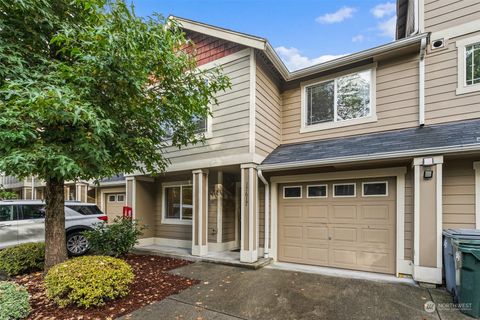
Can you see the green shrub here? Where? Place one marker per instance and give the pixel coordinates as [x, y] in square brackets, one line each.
[115, 239]
[88, 281]
[13, 301]
[23, 258]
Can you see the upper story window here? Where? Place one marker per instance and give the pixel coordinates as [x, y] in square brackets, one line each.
[468, 65]
[201, 125]
[344, 100]
[472, 64]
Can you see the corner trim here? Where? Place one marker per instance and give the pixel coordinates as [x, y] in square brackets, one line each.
[476, 167]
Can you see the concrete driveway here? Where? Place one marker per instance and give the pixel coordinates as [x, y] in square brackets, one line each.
[232, 293]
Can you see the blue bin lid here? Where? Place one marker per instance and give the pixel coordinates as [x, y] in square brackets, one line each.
[473, 234]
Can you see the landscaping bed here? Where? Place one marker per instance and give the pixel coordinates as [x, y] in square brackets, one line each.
[152, 283]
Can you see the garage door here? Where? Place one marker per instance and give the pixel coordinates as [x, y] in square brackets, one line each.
[114, 203]
[343, 224]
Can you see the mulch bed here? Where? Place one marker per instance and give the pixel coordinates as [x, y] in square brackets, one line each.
[152, 283]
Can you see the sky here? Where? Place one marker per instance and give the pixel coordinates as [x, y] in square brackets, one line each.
[303, 32]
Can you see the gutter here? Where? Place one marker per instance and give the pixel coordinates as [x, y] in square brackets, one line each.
[368, 157]
[267, 215]
[351, 58]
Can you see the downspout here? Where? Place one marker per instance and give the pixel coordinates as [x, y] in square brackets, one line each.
[421, 84]
[267, 215]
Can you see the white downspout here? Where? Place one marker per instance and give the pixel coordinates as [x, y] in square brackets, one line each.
[421, 84]
[267, 215]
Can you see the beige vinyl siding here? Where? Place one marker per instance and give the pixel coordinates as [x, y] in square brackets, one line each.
[169, 231]
[99, 190]
[396, 104]
[145, 206]
[408, 232]
[442, 104]
[268, 101]
[228, 214]
[458, 194]
[442, 14]
[230, 118]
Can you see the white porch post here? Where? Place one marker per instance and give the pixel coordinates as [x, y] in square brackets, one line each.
[428, 219]
[200, 213]
[249, 214]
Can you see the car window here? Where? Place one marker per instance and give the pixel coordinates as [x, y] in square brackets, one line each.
[86, 210]
[33, 211]
[7, 213]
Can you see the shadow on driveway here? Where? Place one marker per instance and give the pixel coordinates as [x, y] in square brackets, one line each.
[233, 293]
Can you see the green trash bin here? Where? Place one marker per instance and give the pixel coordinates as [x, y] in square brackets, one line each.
[469, 298]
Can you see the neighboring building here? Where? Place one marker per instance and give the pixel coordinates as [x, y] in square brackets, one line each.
[32, 188]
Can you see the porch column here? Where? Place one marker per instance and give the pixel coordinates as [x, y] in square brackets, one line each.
[249, 214]
[200, 213]
[130, 194]
[219, 193]
[428, 221]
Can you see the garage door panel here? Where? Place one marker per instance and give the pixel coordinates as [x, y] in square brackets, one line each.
[344, 234]
[355, 233]
[317, 255]
[292, 232]
[292, 212]
[317, 213]
[343, 213]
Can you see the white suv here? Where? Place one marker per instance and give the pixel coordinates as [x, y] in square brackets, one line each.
[23, 221]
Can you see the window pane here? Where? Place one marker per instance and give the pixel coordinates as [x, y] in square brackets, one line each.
[201, 124]
[317, 191]
[111, 198]
[472, 64]
[33, 212]
[187, 203]
[86, 210]
[375, 189]
[6, 213]
[320, 103]
[292, 192]
[120, 198]
[172, 203]
[343, 190]
[353, 96]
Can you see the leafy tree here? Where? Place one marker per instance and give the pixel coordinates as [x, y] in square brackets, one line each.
[7, 195]
[88, 89]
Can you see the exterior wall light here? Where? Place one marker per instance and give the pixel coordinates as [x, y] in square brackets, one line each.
[428, 173]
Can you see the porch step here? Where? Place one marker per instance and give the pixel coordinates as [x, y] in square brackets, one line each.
[260, 263]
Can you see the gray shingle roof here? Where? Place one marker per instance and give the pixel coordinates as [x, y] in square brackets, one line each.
[118, 177]
[453, 134]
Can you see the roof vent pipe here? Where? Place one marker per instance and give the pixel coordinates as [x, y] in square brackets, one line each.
[267, 214]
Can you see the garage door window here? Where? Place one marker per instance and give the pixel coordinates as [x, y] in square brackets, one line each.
[317, 191]
[112, 198]
[294, 192]
[120, 198]
[344, 190]
[375, 189]
[178, 204]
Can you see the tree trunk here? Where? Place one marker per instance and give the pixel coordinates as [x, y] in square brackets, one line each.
[55, 242]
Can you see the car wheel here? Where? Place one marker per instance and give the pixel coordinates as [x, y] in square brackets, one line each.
[77, 244]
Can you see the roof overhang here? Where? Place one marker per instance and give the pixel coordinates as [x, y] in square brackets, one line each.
[263, 45]
[369, 157]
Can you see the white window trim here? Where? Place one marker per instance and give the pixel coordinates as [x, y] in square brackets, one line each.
[288, 198]
[164, 211]
[462, 87]
[374, 195]
[337, 124]
[121, 195]
[318, 185]
[114, 198]
[342, 184]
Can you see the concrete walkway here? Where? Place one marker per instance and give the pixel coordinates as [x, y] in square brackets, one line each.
[233, 293]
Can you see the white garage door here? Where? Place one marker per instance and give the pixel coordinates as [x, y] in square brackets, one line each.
[344, 224]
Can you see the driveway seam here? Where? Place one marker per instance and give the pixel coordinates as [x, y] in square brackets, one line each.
[209, 309]
[436, 309]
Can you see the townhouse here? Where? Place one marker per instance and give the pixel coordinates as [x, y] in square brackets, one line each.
[357, 163]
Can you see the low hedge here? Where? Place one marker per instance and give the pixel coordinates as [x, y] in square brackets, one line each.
[23, 258]
[14, 301]
[88, 281]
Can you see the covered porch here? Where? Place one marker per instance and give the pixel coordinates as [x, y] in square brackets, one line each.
[214, 214]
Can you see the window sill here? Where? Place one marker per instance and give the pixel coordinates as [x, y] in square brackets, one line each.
[339, 124]
[177, 221]
[469, 89]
